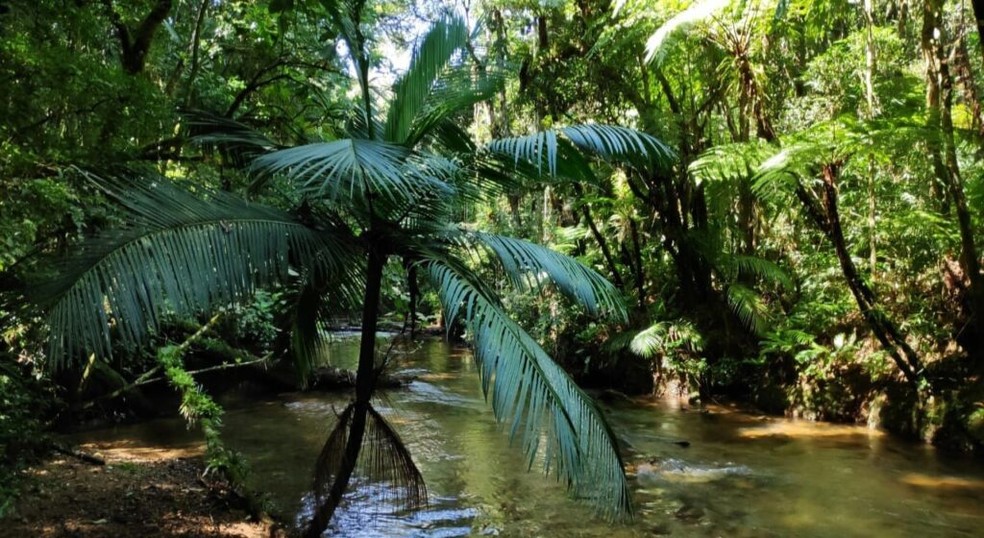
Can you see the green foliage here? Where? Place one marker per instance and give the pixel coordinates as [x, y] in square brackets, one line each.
[369, 194]
[33, 209]
[221, 239]
[25, 403]
[197, 407]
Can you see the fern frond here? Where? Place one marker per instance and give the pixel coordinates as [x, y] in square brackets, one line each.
[747, 305]
[665, 337]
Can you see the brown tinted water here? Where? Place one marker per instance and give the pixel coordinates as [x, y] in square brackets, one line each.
[741, 475]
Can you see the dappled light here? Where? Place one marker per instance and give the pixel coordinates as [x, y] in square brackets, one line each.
[799, 429]
[951, 483]
[406, 268]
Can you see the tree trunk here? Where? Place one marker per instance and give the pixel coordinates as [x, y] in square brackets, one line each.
[134, 47]
[928, 43]
[196, 38]
[940, 80]
[884, 329]
[979, 16]
[964, 74]
[364, 384]
[869, 94]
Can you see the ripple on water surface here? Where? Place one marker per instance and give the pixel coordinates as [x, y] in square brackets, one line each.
[742, 475]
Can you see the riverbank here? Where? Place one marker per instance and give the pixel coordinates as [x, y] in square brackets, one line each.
[139, 491]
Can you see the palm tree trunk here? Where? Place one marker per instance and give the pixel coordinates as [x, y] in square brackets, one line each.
[364, 384]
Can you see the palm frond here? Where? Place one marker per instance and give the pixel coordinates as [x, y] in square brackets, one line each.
[761, 268]
[181, 253]
[442, 41]
[332, 454]
[656, 45]
[307, 306]
[527, 263]
[348, 171]
[535, 396]
[618, 145]
[456, 90]
[232, 139]
[383, 460]
[386, 460]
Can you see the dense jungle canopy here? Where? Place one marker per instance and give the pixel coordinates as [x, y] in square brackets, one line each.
[772, 202]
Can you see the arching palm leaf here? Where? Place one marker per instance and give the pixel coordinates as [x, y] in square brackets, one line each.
[384, 460]
[760, 268]
[527, 263]
[456, 90]
[182, 254]
[411, 92]
[231, 138]
[616, 144]
[351, 172]
[657, 44]
[534, 396]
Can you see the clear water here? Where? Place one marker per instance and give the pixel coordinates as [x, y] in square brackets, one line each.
[742, 475]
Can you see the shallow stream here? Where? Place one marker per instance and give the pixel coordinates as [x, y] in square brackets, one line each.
[741, 475]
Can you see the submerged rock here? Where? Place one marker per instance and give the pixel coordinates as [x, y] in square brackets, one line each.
[675, 470]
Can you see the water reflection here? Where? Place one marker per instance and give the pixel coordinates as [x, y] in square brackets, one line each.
[741, 475]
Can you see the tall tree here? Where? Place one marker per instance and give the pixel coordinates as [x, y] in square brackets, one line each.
[382, 193]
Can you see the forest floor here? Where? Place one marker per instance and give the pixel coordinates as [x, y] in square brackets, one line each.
[138, 492]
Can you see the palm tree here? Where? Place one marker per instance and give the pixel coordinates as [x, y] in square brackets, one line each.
[389, 189]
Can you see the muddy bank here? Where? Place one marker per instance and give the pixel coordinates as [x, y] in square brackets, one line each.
[139, 492]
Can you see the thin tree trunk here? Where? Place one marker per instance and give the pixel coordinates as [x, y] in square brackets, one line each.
[869, 93]
[364, 384]
[639, 269]
[979, 16]
[940, 79]
[971, 92]
[928, 42]
[884, 329]
[196, 38]
[600, 238]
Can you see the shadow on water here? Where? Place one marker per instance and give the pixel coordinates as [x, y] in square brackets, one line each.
[741, 475]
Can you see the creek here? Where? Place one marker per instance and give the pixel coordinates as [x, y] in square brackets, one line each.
[741, 475]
